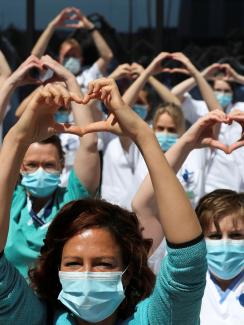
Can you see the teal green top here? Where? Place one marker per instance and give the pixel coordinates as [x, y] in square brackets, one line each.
[175, 300]
[25, 237]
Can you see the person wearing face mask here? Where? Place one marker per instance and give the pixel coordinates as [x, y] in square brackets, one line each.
[168, 125]
[70, 52]
[93, 264]
[221, 216]
[123, 165]
[223, 76]
[38, 196]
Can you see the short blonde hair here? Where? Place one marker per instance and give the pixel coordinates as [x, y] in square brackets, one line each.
[174, 112]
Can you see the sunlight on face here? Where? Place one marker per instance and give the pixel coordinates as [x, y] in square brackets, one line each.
[93, 250]
[165, 124]
[227, 229]
[222, 86]
[42, 155]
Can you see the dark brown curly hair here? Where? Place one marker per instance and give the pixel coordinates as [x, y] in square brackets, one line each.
[73, 219]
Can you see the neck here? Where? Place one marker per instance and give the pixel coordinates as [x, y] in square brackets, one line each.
[223, 284]
[39, 202]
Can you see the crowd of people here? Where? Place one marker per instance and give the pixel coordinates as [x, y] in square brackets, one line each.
[113, 212]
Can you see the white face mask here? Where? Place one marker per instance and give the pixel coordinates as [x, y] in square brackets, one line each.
[72, 64]
[92, 296]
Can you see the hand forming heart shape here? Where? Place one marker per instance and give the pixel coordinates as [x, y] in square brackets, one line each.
[210, 140]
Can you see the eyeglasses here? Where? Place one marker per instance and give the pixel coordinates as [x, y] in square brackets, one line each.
[49, 167]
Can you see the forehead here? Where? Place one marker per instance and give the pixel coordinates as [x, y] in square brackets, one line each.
[229, 223]
[93, 243]
[69, 49]
[40, 152]
[165, 120]
[221, 84]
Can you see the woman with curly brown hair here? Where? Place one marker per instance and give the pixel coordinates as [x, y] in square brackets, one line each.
[93, 265]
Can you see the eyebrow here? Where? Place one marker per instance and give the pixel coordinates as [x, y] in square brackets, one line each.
[95, 258]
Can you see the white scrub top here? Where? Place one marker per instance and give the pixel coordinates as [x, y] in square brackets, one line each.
[223, 307]
[224, 171]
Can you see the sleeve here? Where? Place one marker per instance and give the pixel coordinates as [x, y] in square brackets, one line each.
[193, 109]
[179, 288]
[75, 189]
[18, 303]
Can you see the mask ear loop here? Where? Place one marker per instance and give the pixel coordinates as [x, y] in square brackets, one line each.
[125, 270]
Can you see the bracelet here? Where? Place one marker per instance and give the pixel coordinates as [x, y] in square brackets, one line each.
[92, 29]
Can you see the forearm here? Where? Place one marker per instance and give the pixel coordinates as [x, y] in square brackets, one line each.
[131, 94]
[165, 94]
[206, 91]
[240, 79]
[43, 41]
[103, 49]
[6, 91]
[87, 161]
[173, 206]
[22, 106]
[5, 69]
[11, 156]
[144, 201]
[183, 87]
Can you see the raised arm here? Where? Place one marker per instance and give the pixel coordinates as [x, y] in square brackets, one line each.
[14, 81]
[201, 134]
[35, 124]
[165, 94]
[232, 75]
[87, 162]
[187, 85]
[205, 89]
[5, 69]
[167, 192]
[59, 21]
[146, 75]
[104, 50]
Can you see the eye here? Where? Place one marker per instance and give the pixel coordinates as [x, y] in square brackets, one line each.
[236, 235]
[171, 130]
[105, 264]
[215, 236]
[73, 263]
[50, 165]
[160, 128]
[31, 165]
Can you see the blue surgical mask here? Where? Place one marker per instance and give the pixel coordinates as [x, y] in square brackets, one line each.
[225, 257]
[166, 140]
[141, 110]
[72, 64]
[92, 296]
[223, 99]
[61, 116]
[40, 183]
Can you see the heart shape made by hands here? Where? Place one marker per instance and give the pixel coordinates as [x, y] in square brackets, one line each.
[239, 142]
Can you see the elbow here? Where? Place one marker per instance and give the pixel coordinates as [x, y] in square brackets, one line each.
[108, 56]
